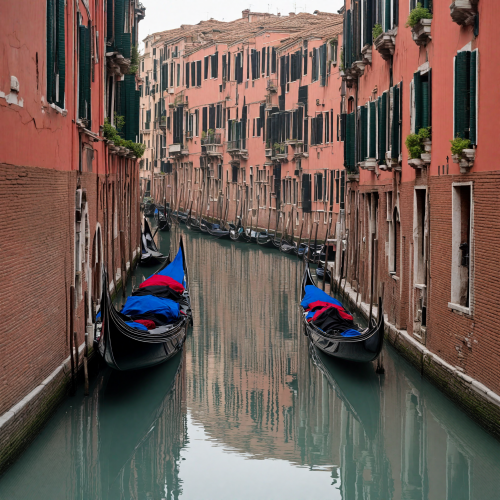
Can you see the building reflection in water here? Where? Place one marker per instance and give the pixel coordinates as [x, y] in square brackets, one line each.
[249, 378]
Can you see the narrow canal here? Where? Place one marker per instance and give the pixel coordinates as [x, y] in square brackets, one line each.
[247, 411]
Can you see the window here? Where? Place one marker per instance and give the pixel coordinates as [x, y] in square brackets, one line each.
[84, 65]
[198, 73]
[461, 245]
[420, 236]
[465, 97]
[178, 75]
[420, 89]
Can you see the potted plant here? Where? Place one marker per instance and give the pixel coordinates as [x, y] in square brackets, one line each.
[377, 31]
[416, 150]
[458, 146]
[419, 21]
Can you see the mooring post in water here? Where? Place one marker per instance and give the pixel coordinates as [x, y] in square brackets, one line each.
[346, 263]
[380, 360]
[309, 242]
[372, 265]
[300, 239]
[71, 338]
[124, 267]
[86, 350]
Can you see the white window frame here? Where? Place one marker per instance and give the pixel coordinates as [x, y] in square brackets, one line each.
[456, 254]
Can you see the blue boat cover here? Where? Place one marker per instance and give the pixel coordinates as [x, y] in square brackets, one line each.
[133, 324]
[156, 211]
[175, 269]
[149, 304]
[313, 294]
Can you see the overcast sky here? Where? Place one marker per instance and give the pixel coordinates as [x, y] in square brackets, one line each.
[163, 14]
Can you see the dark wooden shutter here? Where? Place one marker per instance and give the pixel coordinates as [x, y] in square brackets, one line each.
[323, 64]
[84, 73]
[372, 153]
[61, 52]
[387, 20]
[343, 126]
[306, 55]
[303, 97]
[418, 95]
[364, 133]
[462, 99]
[51, 49]
[395, 123]
[205, 67]
[187, 75]
[263, 68]
[253, 60]
[473, 98]
[211, 117]
[306, 193]
[204, 118]
[193, 74]
[198, 73]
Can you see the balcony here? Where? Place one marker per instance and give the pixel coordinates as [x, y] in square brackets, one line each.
[269, 102]
[386, 44]
[348, 77]
[358, 68]
[463, 12]
[421, 32]
[163, 122]
[272, 85]
[268, 152]
[369, 164]
[367, 54]
[116, 64]
[177, 150]
[300, 151]
[238, 148]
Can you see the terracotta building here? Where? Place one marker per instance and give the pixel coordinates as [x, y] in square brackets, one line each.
[68, 197]
[423, 212]
[241, 118]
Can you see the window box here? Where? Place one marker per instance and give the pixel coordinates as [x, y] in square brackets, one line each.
[369, 164]
[465, 160]
[463, 12]
[367, 54]
[386, 44]
[352, 177]
[391, 163]
[421, 32]
[358, 68]
[416, 163]
[268, 152]
[426, 158]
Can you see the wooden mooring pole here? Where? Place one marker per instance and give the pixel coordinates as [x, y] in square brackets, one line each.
[86, 351]
[71, 337]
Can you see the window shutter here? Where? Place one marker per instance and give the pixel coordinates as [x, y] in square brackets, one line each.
[418, 95]
[395, 123]
[193, 74]
[51, 84]
[364, 134]
[187, 75]
[198, 73]
[373, 130]
[263, 68]
[343, 126]
[306, 193]
[84, 74]
[204, 119]
[205, 68]
[61, 52]
[462, 100]
[425, 104]
[473, 98]
[387, 16]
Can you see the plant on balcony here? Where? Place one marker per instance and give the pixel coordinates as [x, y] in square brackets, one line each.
[377, 31]
[414, 143]
[279, 148]
[417, 14]
[134, 61]
[458, 145]
[111, 133]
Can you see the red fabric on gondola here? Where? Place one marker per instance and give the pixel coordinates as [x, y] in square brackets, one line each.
[159, 280]
[148, 323]
[325, 305]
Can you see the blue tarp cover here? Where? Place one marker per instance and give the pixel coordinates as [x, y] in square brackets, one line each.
[313, 294]
[133, 324]
[175, 269]
[149, 304]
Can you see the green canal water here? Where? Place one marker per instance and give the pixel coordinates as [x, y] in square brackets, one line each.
[249, 411]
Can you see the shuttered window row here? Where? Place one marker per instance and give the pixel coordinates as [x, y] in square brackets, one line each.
[56, 57]
[422, 102]
[84, 62]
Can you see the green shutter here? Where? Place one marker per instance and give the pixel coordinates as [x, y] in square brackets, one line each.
[425, 104]
[462, 99]
[473, 93]
[364, 133]
[418, 95]
[373, 130]
[61, 52]
[387, 15]
[50, 51]
[382, 128]
[84, 110]
[395, 123]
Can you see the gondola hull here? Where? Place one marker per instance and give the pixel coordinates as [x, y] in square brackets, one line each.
[362, 349]
[265, 240]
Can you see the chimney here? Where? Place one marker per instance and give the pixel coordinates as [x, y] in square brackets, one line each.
[291, 14]
[245, 13]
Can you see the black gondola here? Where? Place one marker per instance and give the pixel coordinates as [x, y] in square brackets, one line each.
[182, 217]
[360, 348]
[125, 347]
[265, 239]
[320, 273]
[149, 209]
[236, 233]
[218, 232]
[150, 255]
[162, 219]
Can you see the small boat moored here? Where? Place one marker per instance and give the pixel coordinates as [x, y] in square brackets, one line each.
[152, 325]
[331, 328]
[150, 255]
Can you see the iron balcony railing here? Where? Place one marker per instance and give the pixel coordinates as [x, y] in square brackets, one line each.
[214, 138]
[237, 145]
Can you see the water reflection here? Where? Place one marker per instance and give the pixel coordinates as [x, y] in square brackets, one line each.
[250, 406]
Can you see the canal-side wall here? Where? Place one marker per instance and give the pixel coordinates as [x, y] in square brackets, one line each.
[474, 398]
